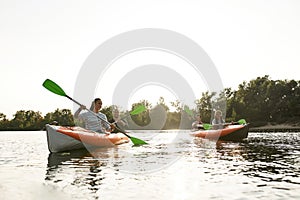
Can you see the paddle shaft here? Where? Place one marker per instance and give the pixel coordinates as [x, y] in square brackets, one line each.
[73, 100]
[98, 116]
[209, 126]
[136, 111]
[115, 122]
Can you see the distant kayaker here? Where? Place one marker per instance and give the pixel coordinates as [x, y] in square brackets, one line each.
[122, 123]
[198, 124]
[91, 121]
[218, 121]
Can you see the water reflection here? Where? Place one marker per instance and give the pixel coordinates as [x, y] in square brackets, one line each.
[57, 159]
[263, 160]
[78, 169]
[272, 158]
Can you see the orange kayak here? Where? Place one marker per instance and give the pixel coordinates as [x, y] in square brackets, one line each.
[230, 132]
[62, 138]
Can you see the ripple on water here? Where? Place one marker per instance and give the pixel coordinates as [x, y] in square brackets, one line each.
[263, 166]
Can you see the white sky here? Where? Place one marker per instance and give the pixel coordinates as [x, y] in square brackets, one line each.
[52, 39]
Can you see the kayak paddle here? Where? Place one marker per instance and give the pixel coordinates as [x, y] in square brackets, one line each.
[56, 89]
[136, 111]
[241, 122]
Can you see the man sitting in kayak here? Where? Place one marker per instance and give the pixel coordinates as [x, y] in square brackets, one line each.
[198, 124]
[218, 121]
[91, 121]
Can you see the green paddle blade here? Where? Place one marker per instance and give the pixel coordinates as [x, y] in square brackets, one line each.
[138, 110]
[242, 121]
[137, 142]
[207, 126]
[53, 87]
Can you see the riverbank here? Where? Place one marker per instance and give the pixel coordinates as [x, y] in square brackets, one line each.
[265, 128]
[276, 128]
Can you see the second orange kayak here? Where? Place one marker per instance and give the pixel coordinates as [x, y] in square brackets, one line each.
[230, 132]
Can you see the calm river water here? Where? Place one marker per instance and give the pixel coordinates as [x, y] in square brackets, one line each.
[173, 166]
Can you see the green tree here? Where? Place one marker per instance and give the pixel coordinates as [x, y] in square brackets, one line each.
[26, 120]
[161, 102]
[143, 118]
[63, 117]
[107, 110]
[177, 105]
[262, 100]
[3, 122]
[230, 97]
[204, 106]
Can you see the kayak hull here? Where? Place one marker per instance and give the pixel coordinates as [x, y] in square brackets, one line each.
[62, 138]
[229, 133]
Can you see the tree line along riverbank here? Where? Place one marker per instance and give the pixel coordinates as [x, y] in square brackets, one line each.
[269, 105]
